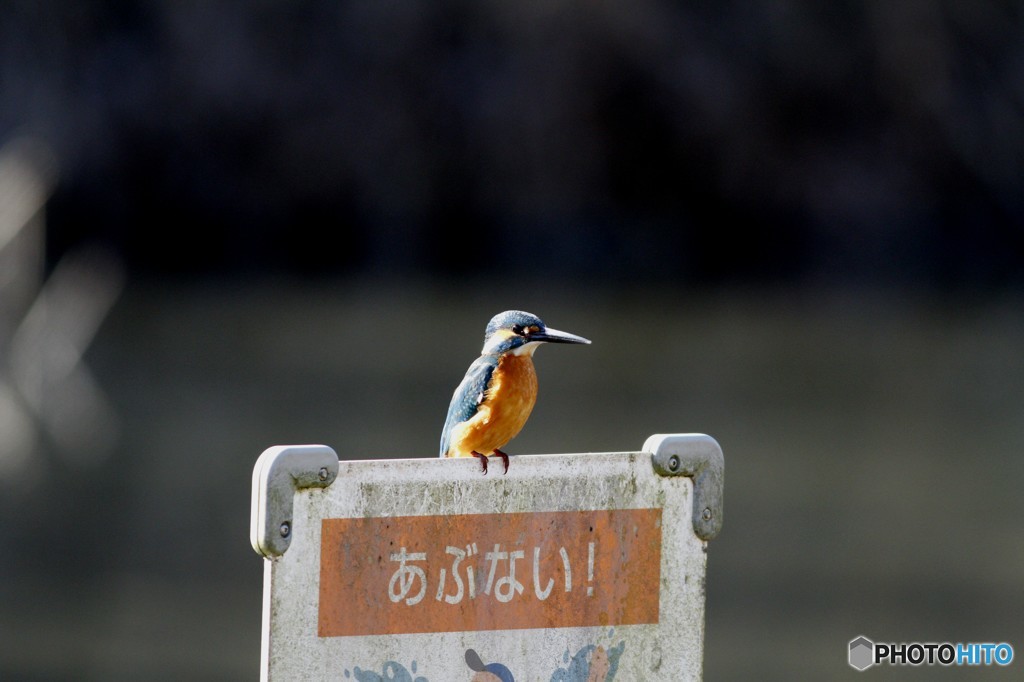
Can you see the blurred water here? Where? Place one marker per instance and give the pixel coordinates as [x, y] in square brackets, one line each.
[873, 459]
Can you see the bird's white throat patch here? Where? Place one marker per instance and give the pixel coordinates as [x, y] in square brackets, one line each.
[527, 348]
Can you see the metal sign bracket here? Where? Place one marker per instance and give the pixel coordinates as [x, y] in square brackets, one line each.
[699, 457]
[279, 473]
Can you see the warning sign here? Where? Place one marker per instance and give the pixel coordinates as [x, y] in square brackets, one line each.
[448, 573]
[587, 567]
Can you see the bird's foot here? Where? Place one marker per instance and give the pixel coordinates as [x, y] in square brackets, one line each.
[504, 458]
[483, 460]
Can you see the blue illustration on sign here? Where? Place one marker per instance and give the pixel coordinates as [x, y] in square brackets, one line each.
[592, 663]
[391, 671]
[490, 672]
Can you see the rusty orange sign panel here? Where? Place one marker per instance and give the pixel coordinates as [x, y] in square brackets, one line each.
[468, 572]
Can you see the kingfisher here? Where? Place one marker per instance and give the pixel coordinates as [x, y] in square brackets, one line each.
[496, 396]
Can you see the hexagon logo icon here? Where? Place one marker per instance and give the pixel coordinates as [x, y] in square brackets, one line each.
[862, 653]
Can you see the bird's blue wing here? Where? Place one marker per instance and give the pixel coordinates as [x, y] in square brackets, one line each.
[468, 396]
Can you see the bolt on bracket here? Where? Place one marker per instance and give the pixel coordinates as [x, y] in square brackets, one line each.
[699, 457]
[279, 472]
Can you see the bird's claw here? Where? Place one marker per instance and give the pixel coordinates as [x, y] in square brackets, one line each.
[504, 459]
[483, 461]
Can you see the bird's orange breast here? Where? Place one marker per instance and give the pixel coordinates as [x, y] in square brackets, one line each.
[503, 413]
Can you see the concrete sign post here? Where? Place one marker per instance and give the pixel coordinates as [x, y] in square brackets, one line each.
[574, 567]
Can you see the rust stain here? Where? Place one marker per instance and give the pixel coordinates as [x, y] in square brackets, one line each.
[384, 575]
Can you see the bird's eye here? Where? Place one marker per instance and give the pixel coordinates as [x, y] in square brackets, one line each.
[517, 329]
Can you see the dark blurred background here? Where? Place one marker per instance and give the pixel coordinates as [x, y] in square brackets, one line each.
[798, 227]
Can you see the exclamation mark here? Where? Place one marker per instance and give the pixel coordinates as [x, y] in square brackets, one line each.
[470, 551]
[590, 569]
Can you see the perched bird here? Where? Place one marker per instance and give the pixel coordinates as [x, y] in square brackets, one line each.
[497, 394]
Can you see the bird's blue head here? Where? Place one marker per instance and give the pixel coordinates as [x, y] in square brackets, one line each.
[518, 332]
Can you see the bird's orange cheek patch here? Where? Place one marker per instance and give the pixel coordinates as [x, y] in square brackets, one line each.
[467, 572]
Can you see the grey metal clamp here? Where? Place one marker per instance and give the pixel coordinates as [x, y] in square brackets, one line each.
[699, 457]
[279, 472]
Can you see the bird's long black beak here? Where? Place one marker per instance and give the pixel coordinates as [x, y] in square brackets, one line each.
[550, 335]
